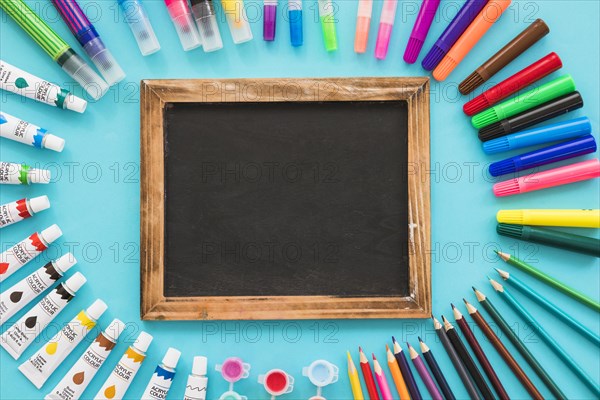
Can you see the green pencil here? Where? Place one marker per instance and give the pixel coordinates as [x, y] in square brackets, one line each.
[516, 341]
[523, 266]
[553, 344]
[541, 300]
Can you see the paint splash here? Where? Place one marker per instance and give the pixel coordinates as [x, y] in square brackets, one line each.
[21, 83]
[51, 348]
[30, 322]
[78, 378]
[15, 297]
[110, 392]
[3, 268]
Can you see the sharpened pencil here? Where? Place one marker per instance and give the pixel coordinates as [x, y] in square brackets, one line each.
[384, 387]
[413, 389]
[436, 371]
[397, 375]
[367, 375]
[425, 376]
[357, 393]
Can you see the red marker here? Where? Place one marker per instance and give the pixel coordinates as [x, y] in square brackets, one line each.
[368, 375]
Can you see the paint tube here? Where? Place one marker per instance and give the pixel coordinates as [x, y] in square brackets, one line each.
[22, 131]
[197, 381]
[16, 211]
[162, 378]
[83, 371]
[22, 174]
[14, 299]
[119, 380]
[19, 336]
[25, 84]
[42, 364]
[26, 250]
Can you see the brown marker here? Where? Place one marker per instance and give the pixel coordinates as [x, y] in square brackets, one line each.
[524, 40]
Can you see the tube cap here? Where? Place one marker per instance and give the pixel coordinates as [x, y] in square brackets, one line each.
[51, 233]
[64, 262]
[52, 142]
[171, 358]
[200, 365]
[104, 61]
[114, 329]
[75, 282]
[75, 103]
[39, 175]
[143, 341]
[97, 308]
[38, 204]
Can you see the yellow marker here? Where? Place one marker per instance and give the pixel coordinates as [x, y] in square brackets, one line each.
[397, 375]
[237, 20]
[354, 379]
[573, 218]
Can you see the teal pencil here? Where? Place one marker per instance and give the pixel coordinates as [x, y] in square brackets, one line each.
[553, 344]
[538, 298]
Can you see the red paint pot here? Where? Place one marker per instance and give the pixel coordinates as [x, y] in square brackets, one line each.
[277, 382]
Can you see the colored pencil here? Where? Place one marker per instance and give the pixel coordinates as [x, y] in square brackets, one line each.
[503, 351]
[409, 378]
[466, 358]
[397, 375]
[479, 353]
[425, 376]
[357, 393]
[516, 341]
[384, 388]
[368, 375]
[456, 361]
[538, 298]
[569, 291]
[436, 371]
[553, 344]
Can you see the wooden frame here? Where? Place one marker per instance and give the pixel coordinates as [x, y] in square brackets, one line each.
[156, 93]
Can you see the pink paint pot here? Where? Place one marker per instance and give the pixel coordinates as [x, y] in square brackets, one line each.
[233, 369]
[277, 382]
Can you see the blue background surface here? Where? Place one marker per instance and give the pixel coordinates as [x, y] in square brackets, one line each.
[95, 195]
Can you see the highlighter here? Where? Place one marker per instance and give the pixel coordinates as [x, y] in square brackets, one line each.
[363, 23]
[531, 74]
[237, 20]
[386, 23]
[480, 25]
[547, 155]
[420, 30]
[459, 23]
[548, 133]
[568, 218]
[513, 49]
[327, 17]
[533, 116]
[580, 171]
[534, 97]
[184, 24]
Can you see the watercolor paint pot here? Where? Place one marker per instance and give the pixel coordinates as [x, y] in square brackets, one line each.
[317, 398]
[233, 369]
[277, 382]
[231, 395]
[321, 373]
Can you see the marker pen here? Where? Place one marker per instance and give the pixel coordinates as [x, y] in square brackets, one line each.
[119, 380]
[42, 364]
[11, 213]
[26, 250]
[12, 300]
[237, 20]
[420, 30]
[24, 132]
[295, 17]
[184, 24]
[19, 336]
[161, 380]
[386, 23]
[549, 217]
[22, 174]
[55, 47]
[197, 381]
[327, 17]
[23, 83]
[83, 371]
[138, 21]
[363, 23]
[206, 20]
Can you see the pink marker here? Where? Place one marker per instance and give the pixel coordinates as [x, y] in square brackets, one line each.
[384, 388]
[420, 30]
[386, 23]
[553, 177]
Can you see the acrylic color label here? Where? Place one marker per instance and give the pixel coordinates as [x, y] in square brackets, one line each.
[13, 212]
[19, 255]
[159, 385]
[119, 380]
[13, 174]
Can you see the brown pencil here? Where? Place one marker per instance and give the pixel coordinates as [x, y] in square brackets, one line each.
[483, 360]
[503, 351]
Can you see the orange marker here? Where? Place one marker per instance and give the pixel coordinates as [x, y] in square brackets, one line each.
[397, 375]
[480, 25]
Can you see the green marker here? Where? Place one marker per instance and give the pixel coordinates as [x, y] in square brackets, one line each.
[327, 16]
[549, 91]
[55, 46]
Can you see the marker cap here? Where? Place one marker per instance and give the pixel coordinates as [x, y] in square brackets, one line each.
[237, 21]
[138, 21]
[184, 25]
[75, 282]
[37, 204]
[329, 33]
[104, 61]
[64, 262]
[51, 233]
[171, 358]
[206, 21]
[35, 175]
[361, 39]
[143, 341]
[85, 76]
[383, 41]
[97, 308]
[114, 329]
[200, 365]
[75, 103]
[296, 37]
[269, 21]
[52, 142]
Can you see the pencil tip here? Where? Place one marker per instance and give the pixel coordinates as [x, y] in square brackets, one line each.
[496, 251]
[360, 349]
[374, 358]
[387, 348]
[474, 289]
[419, 337]
[393, 339]
[465, 300]
[444, 319]
[452, 305]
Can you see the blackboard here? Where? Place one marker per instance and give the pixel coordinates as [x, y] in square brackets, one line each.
[272, 204]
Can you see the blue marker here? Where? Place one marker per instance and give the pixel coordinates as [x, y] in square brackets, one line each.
[295, 16]
[547, 155]
[544, 134]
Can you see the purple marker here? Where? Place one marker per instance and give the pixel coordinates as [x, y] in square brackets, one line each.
[459, 24]
[270, 19]
[420, 30]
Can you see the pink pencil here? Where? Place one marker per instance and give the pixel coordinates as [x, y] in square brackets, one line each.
[382, 382]
[422, 370]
